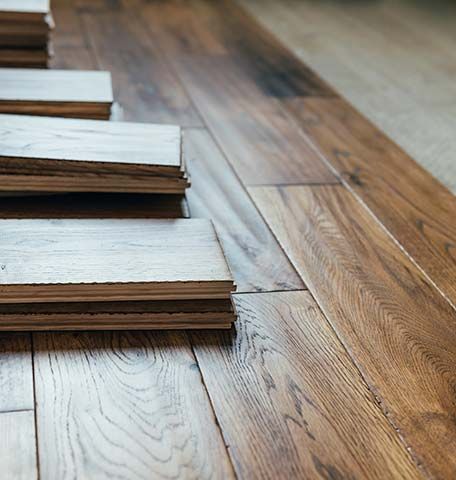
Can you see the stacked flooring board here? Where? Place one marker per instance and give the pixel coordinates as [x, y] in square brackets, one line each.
[45, 154]
[64, 93]
[113, 274]
[25, 27]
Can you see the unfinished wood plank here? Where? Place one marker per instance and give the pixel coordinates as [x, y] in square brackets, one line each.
[16, 378]
[256, 260]
[24, 58]
[67, 92]
[395, 324]
[417, 210]
[93, 205]
[290, 402]
[39, 144]
[144, 84]
[17, 445]
[117, 405]
[98, 260]
[25, 10]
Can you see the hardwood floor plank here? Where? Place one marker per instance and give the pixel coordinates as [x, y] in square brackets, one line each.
[305, 410]
[416, 209]
[125, 406]
[255, 258]
[395, 324]
[143, 83]
[260, 140]
[16, 377]
[17, 445]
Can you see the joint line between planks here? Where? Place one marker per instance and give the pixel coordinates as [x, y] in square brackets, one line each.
[35, 416]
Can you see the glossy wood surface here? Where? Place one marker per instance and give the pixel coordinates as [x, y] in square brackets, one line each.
[396, 326]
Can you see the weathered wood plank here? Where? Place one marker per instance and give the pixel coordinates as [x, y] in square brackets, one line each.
[16, 377]
[290, 402]
[256, 260]
[416, 209]
[17, 445]
[125, 406]
[397, 327]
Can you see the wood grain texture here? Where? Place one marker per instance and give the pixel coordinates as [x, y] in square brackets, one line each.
[260, 140]
[144, 84]
[34, 145]
[255, 258]
[395, 324]
[61, 86]
[17, 445]
[117, 405]
[93, 205]
[23, 58]
[16, 377]
[77, 260]
[416, 209]
[305, 410]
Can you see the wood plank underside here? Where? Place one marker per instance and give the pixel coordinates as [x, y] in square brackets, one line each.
[395, 324]
[289, 400]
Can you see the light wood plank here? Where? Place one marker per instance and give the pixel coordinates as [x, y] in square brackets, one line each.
[395, 324]
[97, 260]
[117, 405]
[290, 402]
[46, 145]
[256, 260]
[61, 86]
[16, 377]
[17, 445]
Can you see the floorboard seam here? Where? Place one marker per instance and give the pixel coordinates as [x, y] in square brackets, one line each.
[214, 414]
[35, 408]
[19, 410]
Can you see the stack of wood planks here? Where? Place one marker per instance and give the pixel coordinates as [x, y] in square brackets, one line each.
[65, 93]
[46, 154]
[113, 274]
[25, 27]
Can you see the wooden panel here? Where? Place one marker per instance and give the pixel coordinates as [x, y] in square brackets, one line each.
[258, 137]
[290, 402]
[143, 83]
[27, 6]
[94, 205]
[261, 142]
[77, 260]
[16, 378]
[256, 260]
[395, 324]
[17, 445]
[61, 86]
[117, 405]
[23, 58]
[147, 148]
[417, 210]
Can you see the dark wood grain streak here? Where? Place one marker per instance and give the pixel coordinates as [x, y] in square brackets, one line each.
[395, 324]
[126, 406]
[289, 400]
[417, 209]
[255, 258]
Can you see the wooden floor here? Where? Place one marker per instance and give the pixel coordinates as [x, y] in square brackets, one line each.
[393, 59]
[343, 360]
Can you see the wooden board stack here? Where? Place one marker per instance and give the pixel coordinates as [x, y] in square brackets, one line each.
[45, 154]
[63, 93]
[25, 27]
[113, 274]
